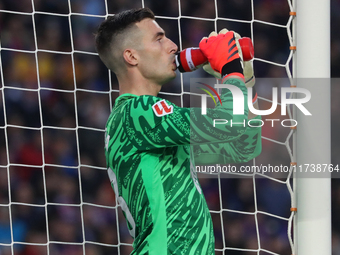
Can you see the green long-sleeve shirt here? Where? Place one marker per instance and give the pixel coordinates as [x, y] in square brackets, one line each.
[150, 146]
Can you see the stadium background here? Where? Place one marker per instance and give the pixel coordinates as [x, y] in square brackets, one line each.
[60, 145]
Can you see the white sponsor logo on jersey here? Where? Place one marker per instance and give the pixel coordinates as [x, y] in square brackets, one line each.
[162, 108]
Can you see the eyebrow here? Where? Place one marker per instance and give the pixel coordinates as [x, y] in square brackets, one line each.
[159, 34]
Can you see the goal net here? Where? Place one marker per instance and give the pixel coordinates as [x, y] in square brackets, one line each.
[56, 95]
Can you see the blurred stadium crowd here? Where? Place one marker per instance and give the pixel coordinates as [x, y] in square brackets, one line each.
[51, 127]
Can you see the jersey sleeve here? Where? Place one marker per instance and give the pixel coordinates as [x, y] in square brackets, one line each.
[243, 149]
[153, 122]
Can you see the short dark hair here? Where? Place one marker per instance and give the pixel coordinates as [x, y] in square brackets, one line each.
[117, 24]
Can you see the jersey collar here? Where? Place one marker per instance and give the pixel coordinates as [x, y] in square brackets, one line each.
[124, 97]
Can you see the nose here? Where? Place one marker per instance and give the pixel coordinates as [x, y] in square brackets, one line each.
[172, 47]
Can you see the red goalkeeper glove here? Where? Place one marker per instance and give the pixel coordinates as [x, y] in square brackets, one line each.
[222, 53]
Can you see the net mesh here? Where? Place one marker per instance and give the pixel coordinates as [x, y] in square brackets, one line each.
[55, 196]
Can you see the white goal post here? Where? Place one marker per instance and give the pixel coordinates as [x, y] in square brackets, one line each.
[313, 195]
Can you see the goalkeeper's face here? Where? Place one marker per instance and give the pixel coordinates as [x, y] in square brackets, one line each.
[156, 52]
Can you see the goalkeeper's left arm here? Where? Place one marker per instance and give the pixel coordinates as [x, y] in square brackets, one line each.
[247, 146]
[241, 150]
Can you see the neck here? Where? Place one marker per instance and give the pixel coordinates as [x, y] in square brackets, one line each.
[134, 83]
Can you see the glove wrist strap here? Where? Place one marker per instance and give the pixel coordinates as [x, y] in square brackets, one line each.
[232, 67]
[254, 95]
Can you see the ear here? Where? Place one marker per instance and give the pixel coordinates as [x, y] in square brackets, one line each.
[131, 57]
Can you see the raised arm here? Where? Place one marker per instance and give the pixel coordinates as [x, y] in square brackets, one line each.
[159, 123]
[240, 150]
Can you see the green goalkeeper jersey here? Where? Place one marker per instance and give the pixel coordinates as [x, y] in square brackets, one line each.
[150, 145]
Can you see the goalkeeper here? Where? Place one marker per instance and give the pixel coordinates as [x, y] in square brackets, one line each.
[148, 140]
